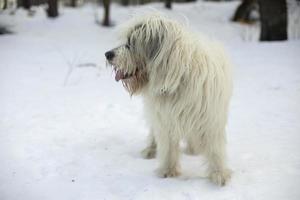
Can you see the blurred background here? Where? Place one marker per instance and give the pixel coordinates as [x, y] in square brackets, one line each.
[277, 18]
[69, 131]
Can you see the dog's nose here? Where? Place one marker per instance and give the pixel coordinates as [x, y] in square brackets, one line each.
[109, 55]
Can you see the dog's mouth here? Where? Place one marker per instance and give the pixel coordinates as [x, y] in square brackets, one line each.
[122, 75]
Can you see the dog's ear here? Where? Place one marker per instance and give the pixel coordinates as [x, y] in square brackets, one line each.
[170, 66]
[150, 35]
[153, 45]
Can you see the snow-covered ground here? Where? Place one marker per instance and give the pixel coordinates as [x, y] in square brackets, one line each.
[68, 131]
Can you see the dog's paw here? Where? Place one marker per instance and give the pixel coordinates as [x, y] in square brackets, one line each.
[220, 178]
[148, 153]
[167, 172]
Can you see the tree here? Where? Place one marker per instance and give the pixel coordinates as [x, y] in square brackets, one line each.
[3, 5]
[168, 4]
[273, 15]
[27, 4]
[106, 21]
[52, 10]
[243, 12]
[73, 3]
[125, 2]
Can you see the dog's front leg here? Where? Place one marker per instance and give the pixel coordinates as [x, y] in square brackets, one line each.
[219, 173]
[150, 151]
[168, 154]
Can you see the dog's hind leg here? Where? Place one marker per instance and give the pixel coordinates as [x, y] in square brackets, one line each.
[190, 148]
[150, 151]
[193, 145]
[168, 155]
[215, 153]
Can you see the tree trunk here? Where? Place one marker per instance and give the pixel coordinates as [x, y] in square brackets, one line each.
[20, 3]
[4, 6]
[125, 2]
[52, 8]
[273, 15]
[74, 3]
[106, 21]
[243, 12]
[168, 4]
[27, 4]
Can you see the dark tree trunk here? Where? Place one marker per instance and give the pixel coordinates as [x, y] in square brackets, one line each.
[125, 2]
[168, 4]
[273, 15]
[243, 12]
[27, 4]
[4, 5]
[52, 8]
[20, 3]
[106, 21]
[73, 3]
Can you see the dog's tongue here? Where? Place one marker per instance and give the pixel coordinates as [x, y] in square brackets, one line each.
[119, 75]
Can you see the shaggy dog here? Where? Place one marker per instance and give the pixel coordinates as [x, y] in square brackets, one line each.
[185, 80]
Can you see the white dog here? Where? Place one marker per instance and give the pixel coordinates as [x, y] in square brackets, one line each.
[185, 80]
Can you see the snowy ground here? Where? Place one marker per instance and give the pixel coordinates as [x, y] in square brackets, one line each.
[68, 131]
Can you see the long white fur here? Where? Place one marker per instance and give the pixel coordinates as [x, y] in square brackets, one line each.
[186, 95]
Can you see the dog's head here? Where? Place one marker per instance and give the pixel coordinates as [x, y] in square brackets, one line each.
[149, 55]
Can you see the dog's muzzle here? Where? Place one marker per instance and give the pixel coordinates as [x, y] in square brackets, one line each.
[119, 73]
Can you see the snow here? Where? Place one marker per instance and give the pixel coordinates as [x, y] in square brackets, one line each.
[69, 131]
